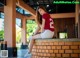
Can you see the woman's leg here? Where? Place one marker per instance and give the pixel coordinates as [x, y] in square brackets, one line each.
[31, 45]
[32, 41]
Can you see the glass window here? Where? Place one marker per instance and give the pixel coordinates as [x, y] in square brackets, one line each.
[1, 15]
[1, 29]
[20, 10]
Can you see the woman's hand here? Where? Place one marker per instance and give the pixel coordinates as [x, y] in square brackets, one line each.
[36, 31]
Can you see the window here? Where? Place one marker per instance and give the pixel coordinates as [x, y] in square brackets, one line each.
[18, 30]
[1, 26]
[31, 26]
[63, 35]
[18, 9]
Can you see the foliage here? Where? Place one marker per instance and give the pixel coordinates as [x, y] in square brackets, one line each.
[31, 26]
[1, 35]
[18, 35]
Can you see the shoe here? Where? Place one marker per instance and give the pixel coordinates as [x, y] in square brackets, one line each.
[28, 54]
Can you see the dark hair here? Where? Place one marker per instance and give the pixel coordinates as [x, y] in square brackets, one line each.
[41, 8]
[39, 17]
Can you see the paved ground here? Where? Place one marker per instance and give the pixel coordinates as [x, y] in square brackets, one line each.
[22, 53]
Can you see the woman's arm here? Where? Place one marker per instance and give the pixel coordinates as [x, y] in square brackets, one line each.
[37, 30]
[43, 24]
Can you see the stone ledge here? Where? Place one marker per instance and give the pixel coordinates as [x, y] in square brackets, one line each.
[56, 48]
[70, 39]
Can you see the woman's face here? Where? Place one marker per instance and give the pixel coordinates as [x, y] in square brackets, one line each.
[41, 11]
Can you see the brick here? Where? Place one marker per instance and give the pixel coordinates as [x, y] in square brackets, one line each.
[44, 54]
[68, 43]
[39, 50]
[50, 51]
[33, 53]
[74, 55]
[74, 47]
[33, 57]
[43, 57]
[43, 51]
[37, 43]
[51, 43]
[76, 51]
[53, 47]
[61, 51]
[37, 57]
[48, 47]
[55, 43]
[79, 46]
[58, 47]
[41, 54]
[43, 43]
[46, 43]
[44, 47]
[37, 47]
[58, 55]
[37, 54]
[65, 55]
[61, 43]
[79, 54]
[55, 51]
[33, 50]
[34, 47]
[65, 47]
[41, 47]
[76, 43]
[53, 55]
[46, 51]
[68, 51]
[48, 55]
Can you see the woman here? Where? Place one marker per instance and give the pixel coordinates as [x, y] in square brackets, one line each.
[45, 24]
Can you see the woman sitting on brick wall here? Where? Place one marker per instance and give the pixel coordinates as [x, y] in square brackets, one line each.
[45, 24]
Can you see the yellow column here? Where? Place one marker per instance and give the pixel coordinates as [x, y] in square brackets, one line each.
[23, 38]
[9, 23]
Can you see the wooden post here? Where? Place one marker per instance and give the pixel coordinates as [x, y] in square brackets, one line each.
[9, 23]
[77, 20]
[23, 38]
[79, 23]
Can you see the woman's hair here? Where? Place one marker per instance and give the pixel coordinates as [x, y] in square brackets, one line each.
[39, 17]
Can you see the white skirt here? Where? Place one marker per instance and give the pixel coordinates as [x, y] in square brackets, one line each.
[44, 35]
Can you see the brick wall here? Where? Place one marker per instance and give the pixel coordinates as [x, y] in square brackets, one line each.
[52, 49]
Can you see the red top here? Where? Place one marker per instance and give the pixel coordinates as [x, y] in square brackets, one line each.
[49, 24]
